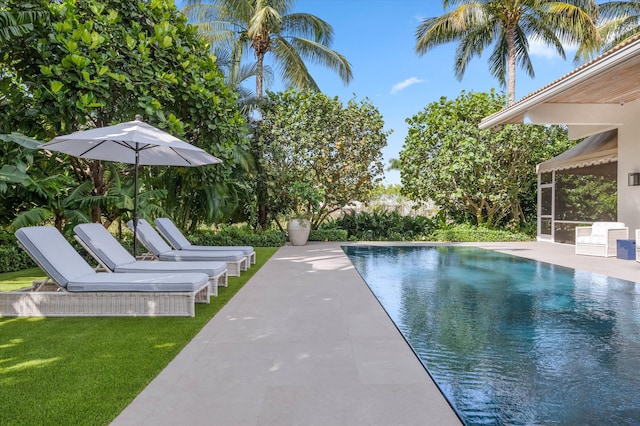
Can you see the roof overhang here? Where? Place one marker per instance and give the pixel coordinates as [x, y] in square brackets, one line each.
[587, 99]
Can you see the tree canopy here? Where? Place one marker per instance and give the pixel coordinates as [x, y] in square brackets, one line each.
[508, 25]
[484, 174]
[267, 26]
[95, 63]
[314, 139]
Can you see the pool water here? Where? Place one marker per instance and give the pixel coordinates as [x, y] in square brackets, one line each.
[511, 340]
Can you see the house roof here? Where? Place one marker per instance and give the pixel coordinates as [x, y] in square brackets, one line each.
[597, 149]
[595, 91]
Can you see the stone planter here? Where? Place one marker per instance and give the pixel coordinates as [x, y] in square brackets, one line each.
[298, 231]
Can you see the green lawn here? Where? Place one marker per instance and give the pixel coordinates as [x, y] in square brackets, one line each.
[84, 371]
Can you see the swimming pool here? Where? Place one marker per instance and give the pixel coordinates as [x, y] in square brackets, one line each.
[511, 340]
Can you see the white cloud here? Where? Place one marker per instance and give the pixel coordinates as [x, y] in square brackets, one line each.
[404, 84]
[537, 48]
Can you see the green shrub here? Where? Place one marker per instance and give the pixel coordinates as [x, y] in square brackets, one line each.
[328, 234]
[238, 236]
[381, 225]
[466, 233]
[13, 258]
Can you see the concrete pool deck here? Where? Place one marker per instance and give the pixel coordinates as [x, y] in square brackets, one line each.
[305, 342]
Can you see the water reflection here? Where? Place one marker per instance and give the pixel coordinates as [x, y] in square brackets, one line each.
[510, 340]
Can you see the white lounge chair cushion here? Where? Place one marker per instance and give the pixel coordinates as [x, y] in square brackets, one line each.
[151, 282]
[104, 245]
[180, 242]
[118, 259]
[212, 269]
[154, 242]
[62, 263]
[56, 256]
[190, 255]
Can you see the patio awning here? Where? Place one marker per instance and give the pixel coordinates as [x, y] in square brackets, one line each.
[597, 149]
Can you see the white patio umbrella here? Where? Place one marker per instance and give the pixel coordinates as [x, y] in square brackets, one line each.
[133, 142]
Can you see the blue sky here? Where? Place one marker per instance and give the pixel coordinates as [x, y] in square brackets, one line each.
[378, 38]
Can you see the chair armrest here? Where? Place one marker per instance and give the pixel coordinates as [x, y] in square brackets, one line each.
[583, 231]
[614, 234]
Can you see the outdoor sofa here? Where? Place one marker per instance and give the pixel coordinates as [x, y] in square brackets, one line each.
[112, 257]
[600, 239]
[236, 260]
[74, 288]
[172, 234]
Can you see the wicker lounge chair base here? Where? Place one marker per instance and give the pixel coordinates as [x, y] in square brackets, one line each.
[73, 288]
[63, 303]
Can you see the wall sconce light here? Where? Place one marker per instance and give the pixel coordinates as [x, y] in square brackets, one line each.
[634, 179]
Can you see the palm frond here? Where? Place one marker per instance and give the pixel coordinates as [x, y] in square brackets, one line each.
[31, 217]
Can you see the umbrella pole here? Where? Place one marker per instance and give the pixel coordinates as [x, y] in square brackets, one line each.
[135, 205]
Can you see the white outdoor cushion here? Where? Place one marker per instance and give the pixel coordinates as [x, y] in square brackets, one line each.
[601, 228]
[156, 282]
[51, 251]
[180, 242]
[212, 269]
[62, 263]
[104, 245]
[585, 239]
[117, 259]
[154, 242]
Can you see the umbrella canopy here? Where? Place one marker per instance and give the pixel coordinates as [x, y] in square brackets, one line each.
[133, 142]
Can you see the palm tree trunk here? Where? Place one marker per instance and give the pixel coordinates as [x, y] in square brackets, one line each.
[260, 62]
[511, 47]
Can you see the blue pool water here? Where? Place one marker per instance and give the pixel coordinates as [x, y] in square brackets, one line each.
[511, 340]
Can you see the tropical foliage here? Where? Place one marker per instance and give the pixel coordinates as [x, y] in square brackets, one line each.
[508, 25]
[618, 20]
[310, 137]
[267, 26]
[483, 175]
[17, 19]
[94, 63]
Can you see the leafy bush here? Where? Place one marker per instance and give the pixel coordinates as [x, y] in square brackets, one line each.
[466, 232]
[382, 225]
[329, 234]
[238, 236]
[13, 258]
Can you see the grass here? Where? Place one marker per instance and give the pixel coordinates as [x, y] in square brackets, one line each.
[10, 281]
[85, 371]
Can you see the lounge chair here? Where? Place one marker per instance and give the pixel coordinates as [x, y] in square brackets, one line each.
[179, 242]
[73, 288]
[111, 256]
[236, 260]
[600, 239]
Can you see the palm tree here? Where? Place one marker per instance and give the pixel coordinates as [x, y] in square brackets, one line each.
[509, 25]
[236, 74]
[16, 21]
[618, 21]
[264, 26]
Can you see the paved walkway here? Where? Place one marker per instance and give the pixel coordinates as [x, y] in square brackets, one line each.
[306, 343]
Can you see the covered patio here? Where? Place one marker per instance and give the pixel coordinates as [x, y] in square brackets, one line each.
[602, 95]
